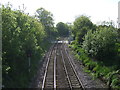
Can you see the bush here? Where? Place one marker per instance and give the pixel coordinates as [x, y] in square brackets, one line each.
[97, 68]
[101, 43]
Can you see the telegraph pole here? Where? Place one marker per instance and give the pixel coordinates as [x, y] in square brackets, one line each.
[29, 54]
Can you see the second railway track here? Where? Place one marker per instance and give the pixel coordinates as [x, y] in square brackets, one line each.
[60, 72]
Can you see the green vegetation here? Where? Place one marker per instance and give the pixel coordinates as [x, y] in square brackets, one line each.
[101, 43]
[26, 37]
[23, 36]
[46, 18]
[98, 47]
[82, 24]
[63, 29]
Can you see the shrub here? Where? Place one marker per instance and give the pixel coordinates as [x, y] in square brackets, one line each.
[101, 43]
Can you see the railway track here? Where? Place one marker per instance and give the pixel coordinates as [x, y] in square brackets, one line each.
[60, 72]
[73, 76]
[48, 80]
[61, 79]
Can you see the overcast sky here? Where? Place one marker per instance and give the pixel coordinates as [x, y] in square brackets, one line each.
[68, 10]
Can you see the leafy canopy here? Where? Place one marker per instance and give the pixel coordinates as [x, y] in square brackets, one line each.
[82, 24]
[63, 29]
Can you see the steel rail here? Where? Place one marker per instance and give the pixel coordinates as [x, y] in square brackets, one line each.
[71, 63]
[66, 70]
[55, 71]
[46, 69]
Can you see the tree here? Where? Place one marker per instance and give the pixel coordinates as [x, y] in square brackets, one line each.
[82, 24]
[20, 33]
[101, 43]
[46, 18]
[63, 29]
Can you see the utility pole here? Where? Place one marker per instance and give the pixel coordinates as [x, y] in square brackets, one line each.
[29, 54]
[29, 64]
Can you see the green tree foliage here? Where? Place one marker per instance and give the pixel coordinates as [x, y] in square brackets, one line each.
[46, 18]
[100, 54]
[20, 34]
[100, 43]
[119, 34]
[98, 47]
[82, 24]
[63, 29]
